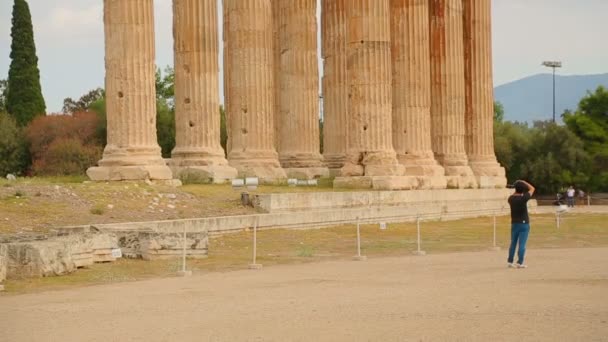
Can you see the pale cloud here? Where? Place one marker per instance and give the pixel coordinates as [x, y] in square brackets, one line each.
[77, 21]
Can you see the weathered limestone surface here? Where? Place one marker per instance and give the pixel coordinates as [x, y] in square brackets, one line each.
[448, 92]
[132, 151]
[370, 146]
[298, 90]
[248, 54]
[58, 255]
[412, 92]
[479, 112]
[197, 151]
[335, 89]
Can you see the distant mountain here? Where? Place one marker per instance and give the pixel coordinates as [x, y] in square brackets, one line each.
[531, 98]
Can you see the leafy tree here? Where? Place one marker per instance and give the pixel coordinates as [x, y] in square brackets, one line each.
[499, 112]
[14, 157]
[24, 98]
[84, 103]
[590, 124]
[165, 127]
[165, 86]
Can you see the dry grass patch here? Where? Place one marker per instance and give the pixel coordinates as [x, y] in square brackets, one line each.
[291, 246]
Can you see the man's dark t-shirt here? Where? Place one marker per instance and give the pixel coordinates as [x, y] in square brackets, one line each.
[519, 208]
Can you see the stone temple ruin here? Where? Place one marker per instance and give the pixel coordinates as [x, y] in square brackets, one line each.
[407, 92]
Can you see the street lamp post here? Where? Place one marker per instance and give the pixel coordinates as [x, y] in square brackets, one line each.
[553, 65]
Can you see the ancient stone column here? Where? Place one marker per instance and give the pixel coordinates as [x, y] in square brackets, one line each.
[250, 87]
[368, 52]
[335, 90]
[448, 91]
[298, 90]
[276, 54]
[412, 91]
[132, 151]
[198, 153]
[479, 113]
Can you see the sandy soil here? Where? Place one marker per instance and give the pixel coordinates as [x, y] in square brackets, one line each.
[455, 297]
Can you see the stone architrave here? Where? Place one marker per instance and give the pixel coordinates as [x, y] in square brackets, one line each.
[368, 53]
[412, 92]
[198, 152]
[132, 151]
[250, 88]
[479, 114]
[335, 90]
[298, 90]
[448, 92]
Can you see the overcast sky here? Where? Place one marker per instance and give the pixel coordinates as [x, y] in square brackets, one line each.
[69, 40]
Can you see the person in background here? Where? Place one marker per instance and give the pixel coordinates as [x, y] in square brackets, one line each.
[570, 196]
[581, 196]
[520, 222]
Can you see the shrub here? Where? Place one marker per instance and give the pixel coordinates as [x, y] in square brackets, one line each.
[63, 144]
[66, 156]
[13, 147]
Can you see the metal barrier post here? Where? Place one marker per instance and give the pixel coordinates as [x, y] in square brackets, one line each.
[588, 200]
[184, 272]
[557, 216]
[254, 265]
[494, 247]
[418, 251]
[359, 257]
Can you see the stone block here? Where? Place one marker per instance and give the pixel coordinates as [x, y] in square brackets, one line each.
[168, 245]
[139, 172]
[394, 183]
[361, 182]
[216, 174]
[307, 172]
[39, 259]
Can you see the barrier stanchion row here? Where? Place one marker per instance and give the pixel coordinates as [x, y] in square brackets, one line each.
[183, 272]
[418, 251]
[359, 257]
[254, 265]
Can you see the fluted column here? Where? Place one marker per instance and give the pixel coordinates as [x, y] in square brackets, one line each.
[298, 90]
[479, 117]
[412, 90]
[335, 90]
[448, 91]
[370, 146]
[132, 151]
[250, 107]
[197, 151]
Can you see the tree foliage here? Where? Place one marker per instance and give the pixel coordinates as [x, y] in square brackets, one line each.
[84, 103]
[13, 148]
[3, 93]
[64, 144]
[590, 124]
[24, 97]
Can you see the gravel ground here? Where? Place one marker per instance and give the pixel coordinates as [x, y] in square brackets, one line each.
[562, 296]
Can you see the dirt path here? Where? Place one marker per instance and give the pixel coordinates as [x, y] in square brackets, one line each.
[464, 296]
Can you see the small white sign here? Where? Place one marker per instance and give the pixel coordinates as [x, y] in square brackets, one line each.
[116, 253]
[382, 225]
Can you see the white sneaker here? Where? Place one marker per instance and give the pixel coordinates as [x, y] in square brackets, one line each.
[510, 265]
[522, 266]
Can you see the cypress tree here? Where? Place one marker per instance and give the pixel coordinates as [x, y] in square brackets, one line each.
[24, 99]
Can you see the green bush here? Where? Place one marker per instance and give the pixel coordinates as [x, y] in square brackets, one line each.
[13, 147]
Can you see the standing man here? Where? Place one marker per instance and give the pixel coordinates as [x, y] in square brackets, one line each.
[570, 194]
[520, 222]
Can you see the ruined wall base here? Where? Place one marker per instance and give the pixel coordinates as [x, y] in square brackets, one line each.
[136, 172]
[216, 174]
[307, 172]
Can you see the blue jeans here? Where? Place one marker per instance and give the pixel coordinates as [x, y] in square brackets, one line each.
[571, 202]
[519, 232]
